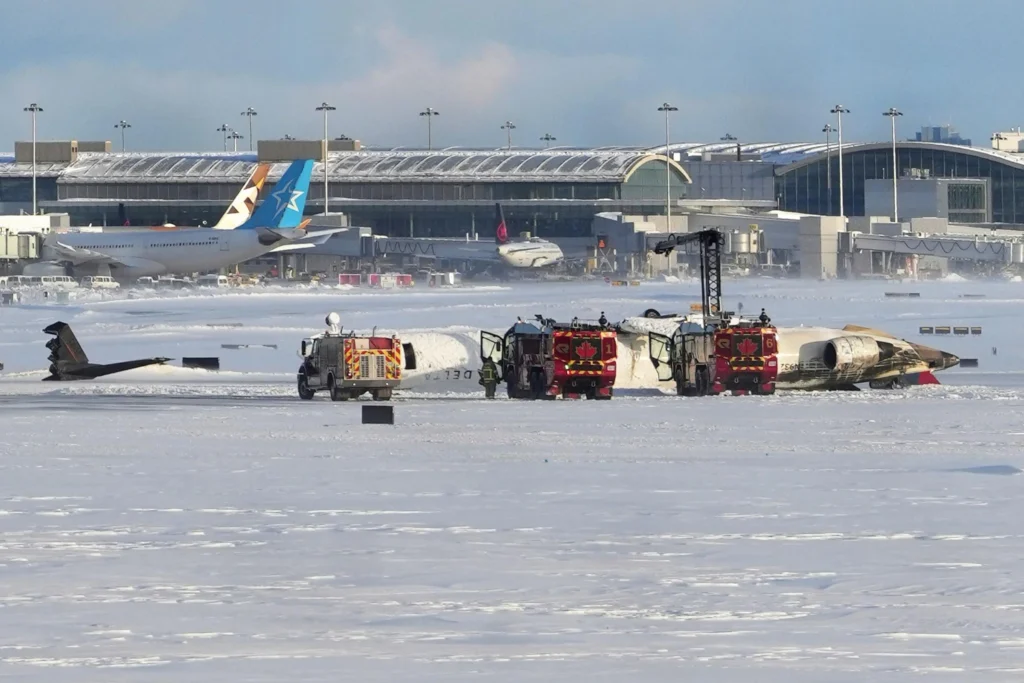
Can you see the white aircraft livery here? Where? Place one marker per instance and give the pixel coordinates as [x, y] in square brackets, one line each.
[529, 253]
[277, 225]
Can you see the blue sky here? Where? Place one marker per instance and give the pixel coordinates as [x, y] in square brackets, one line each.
[762, 70]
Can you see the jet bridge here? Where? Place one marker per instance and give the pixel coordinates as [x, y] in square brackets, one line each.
[1000, 250]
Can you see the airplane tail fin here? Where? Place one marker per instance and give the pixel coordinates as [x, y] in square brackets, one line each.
[500, 229]
[242, 207]
[284, 206]
[64, 347]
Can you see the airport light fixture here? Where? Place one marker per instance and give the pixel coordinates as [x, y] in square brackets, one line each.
[547, 139]
[666, 107]
[287, 137]
[34, 109]
[729, 137]
[892, 113]
[235, 136]
[223, 130]
[430, 114]
[828, 130]
[249, 112]
[508, 126]
[122, 124]
[839, 110]
[324, 107]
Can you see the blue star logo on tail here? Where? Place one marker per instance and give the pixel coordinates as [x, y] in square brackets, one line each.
[286, 193]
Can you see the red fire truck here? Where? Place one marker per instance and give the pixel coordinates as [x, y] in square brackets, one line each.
[746, 358]
[548, 359]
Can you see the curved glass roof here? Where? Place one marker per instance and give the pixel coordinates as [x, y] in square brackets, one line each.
[553, 165]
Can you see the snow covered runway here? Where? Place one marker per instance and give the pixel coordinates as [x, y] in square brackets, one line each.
[167, 531]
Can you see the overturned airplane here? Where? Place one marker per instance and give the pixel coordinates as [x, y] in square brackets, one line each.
[69, 362]
[808, 358]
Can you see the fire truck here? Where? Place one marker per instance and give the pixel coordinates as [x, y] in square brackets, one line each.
[714, 351]
[548, 359]
[348, 365]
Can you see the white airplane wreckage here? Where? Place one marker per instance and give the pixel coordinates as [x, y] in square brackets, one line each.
[808, 358]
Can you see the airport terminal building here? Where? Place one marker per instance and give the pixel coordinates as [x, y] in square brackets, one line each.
[444, 193]
[550, 193]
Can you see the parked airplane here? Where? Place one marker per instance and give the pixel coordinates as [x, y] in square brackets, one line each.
[527, 253]
[519, 254]
[69, 362]
[275, 226]
[814, 358]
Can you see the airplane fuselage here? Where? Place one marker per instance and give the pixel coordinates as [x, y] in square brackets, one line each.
[159, 252]
[530, 254]
[818, 358]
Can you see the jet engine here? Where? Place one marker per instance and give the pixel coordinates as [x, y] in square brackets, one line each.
[41, 268]
[855, 352]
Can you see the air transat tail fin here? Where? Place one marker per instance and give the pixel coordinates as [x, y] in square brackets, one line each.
[500, 229]
[283, 207]
[245, 202]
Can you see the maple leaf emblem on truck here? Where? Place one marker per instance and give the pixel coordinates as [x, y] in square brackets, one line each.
[747, 347]
[586, 351]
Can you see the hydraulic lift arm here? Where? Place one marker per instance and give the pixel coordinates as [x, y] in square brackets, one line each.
[711, 243]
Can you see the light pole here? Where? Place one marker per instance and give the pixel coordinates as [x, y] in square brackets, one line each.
[839, 110]
[547, 139]
[122, 124]
[250, 112]
[827, 130]
[236, 136]
[324, 107]
[892, 113]
[509, 127]
[996, 137]
[666, 107]
[34, 109]
[430, 114]
[223, 130]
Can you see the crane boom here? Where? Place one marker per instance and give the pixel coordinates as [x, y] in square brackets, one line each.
[710, 242]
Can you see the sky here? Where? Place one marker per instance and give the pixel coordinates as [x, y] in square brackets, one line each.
[589, 72]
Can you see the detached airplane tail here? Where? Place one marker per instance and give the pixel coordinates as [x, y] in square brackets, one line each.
[69, 362]
[284, 206]
[500, 229]
[64, 347]
[245, 202]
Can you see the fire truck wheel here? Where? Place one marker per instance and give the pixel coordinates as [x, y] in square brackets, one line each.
[305, 393]
[652, 313]
[382, 395]
[336, 393]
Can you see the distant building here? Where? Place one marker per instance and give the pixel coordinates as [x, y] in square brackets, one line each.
[946, 134]
[1008, 140]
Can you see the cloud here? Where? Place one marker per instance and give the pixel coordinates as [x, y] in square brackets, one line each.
[475, 92]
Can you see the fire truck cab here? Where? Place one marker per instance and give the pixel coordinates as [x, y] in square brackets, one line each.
[348, 365]
[746, 358]
[548, 359]
[739, 355]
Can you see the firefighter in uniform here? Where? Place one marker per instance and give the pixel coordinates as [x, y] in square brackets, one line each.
[765, 320]
[489, 377]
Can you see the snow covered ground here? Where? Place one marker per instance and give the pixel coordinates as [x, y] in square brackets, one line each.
[169, 525]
